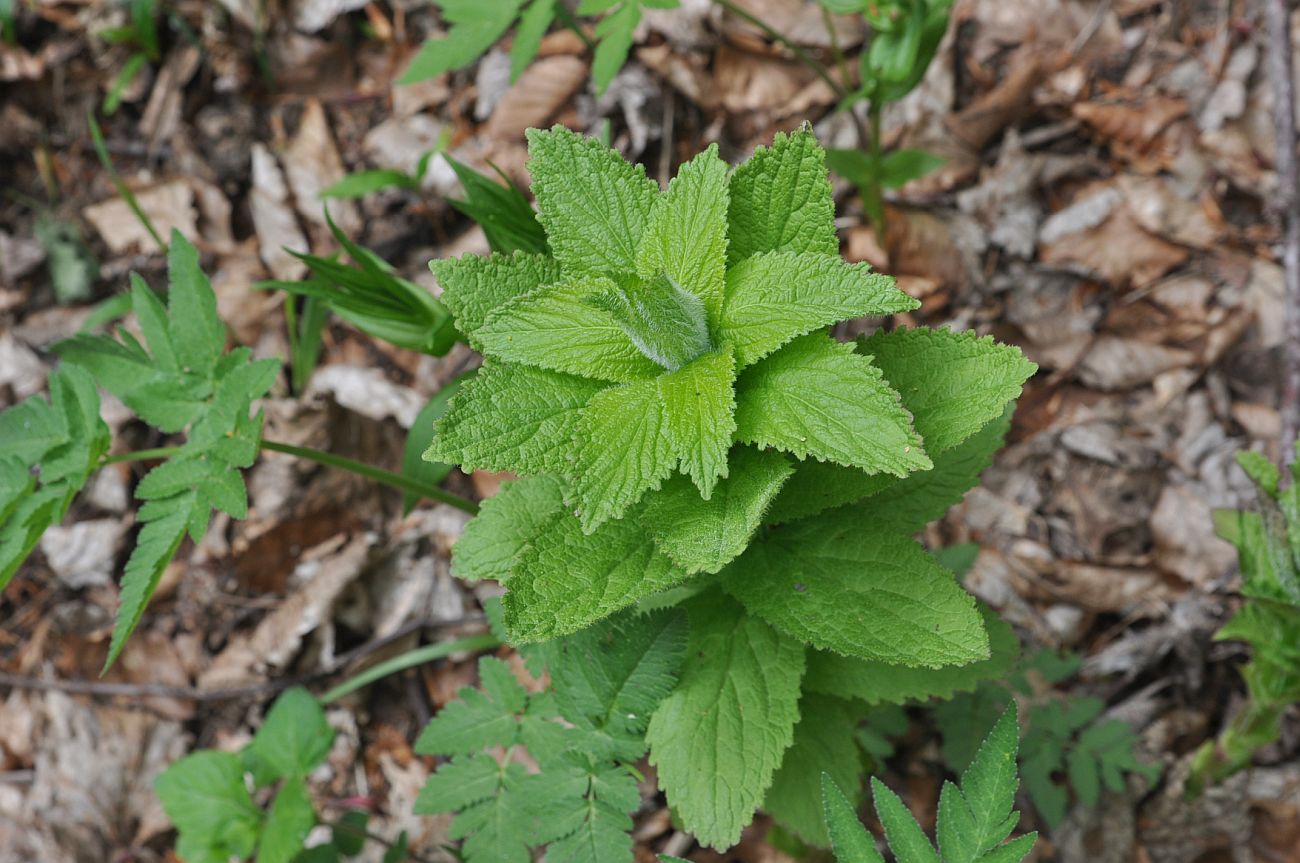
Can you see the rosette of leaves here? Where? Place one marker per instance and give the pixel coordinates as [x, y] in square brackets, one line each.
[686, 431]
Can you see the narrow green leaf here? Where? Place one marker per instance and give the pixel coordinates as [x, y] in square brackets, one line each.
[197, 334]
[414, 465]
[849, 839]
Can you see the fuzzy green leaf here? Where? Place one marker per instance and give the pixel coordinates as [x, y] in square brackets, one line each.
[686, 237]
[699, 406]
[556, 327]
[624, 450]
[816, 397]
[909, 503]
[594, 205]
[704, 536]
[666, 322]
[881, 682]
[506, 525]
[824, 745]
[567, 579]
[953, 383]
[772, 297]
[819, 579]
[719, 738]
[512, 418]
[474, 286]
[781, 200]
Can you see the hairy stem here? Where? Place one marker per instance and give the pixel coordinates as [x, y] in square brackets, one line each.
[329, 459]
[410, 659]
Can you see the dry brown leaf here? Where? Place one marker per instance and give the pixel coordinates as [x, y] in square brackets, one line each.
[367, 391]
[273, 218]
[984, 119]
[322, 575]
[162, 114]
[749, 82]
[311, 165]
[1114, 363]
[1186, 544]
[1159, 210]
[1119, 590]
[1117, 250]
[170, 206]
[1135, 125]
[536, 97]
[84, 553]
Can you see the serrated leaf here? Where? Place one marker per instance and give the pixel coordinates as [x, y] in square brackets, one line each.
[414, 465]
[556, 327]
[719, 737]
[881, 682]
[978, 817]
[204, 795]
[909, 503]
[905, 837]
[197, 334]
[816, 397]
[567, 579]
[953, 383]
[704, 536]
[533, 24]
[604, 834]
[295, 737]
[594, 205]
[849, 839]
[475, 26]
[474, 286]
[686, 238]
[609, 679]
[165, 524]
[772, 297]
[699, 405]
[624, 449]
[460, 783]
[287, 825]
[479, 718]
[824, 745]
[781, 200]
[512, 418]
[507, 524]
[818, 579]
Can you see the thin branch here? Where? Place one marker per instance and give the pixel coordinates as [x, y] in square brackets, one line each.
[798, 50]
[1287, 203]
[251, 692]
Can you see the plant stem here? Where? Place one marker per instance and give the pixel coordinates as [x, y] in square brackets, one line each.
[876, 206]
[410, 659]
[378, 474]
[840, 63]
[329, 459]
[777, 36]
[1287, 203]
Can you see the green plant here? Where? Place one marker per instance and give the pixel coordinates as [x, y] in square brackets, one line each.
[476, 27]
[689, 435]
[140, 34]
[373, 298]
[181, 380]
[975, 818]
[1268, 544]
[1065, 746]
[584, 733]
[207, 795]
[904, 37]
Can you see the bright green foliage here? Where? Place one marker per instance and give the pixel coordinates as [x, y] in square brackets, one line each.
[817, 580]
[1268, 544]
[507, 219]
[880, 682]
[824, 744]
[667, 387]
[414, 465]
[583, 734]
[1063, 737]
[975, 818]
[206, 794]
[48, 450]
[743, 677]
[373, 298]
[179, 379]
[476, 27]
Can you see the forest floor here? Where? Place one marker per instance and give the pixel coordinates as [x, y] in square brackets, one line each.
[1103, 204]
